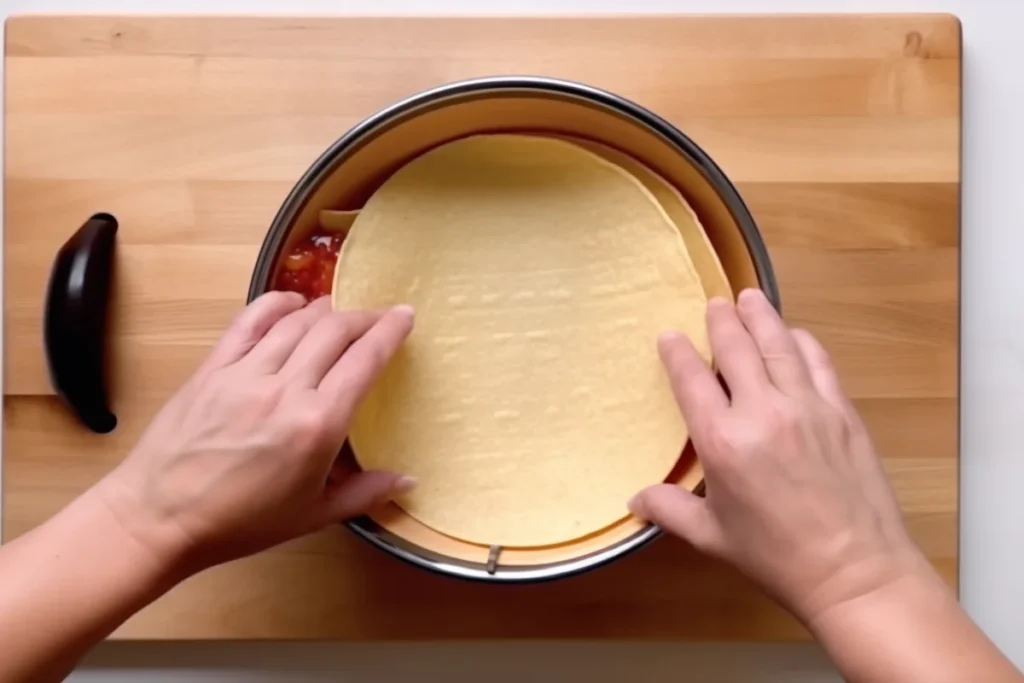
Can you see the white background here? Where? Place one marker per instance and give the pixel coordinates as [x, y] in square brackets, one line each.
[992, 472]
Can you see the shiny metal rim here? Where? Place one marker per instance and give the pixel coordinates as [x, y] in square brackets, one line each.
[379, 123]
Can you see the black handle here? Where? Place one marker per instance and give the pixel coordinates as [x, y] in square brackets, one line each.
[75, 324]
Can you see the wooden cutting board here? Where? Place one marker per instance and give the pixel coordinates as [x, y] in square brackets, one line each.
[842, 132]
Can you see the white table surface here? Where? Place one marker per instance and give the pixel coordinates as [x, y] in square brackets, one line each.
[992, 405]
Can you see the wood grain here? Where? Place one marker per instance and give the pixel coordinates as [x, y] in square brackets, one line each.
[842, 133]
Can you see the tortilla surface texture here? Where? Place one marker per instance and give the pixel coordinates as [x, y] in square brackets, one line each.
[529, 401]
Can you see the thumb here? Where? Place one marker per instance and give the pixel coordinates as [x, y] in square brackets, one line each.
[360, 492]
[680, 513]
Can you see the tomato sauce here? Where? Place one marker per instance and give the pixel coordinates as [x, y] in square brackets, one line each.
[309, 267]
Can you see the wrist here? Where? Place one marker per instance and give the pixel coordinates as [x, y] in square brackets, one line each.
[899, 592]
[69, 583]
[156, 543]
[856, 583]
[909, 629]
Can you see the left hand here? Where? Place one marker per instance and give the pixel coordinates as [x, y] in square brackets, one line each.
[243, 456]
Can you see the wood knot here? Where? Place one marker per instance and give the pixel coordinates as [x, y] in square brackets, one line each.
[913, 46]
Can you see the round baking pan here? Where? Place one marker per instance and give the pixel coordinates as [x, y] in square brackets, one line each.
[357, 163]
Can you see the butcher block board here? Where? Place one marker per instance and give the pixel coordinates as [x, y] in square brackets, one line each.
[842, 133]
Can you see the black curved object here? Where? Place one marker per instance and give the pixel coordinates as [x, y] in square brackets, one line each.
[75, 321]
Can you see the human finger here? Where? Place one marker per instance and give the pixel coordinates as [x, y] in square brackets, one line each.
[277, 346]
[322, 347]
[822, 372]
[347, 382]
[359, 493]
[735, 352]
[249, 327]
[782, 359]
[680, 513]
[694, 385]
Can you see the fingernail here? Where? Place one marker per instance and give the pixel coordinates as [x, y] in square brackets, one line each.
[670, 337]
[636, 505]
[718, 301]
[288, 295]
[404, 309]
[404, 484]
[751, 295]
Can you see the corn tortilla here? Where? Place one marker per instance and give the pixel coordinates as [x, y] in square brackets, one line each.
[702, 252]
[529, 400]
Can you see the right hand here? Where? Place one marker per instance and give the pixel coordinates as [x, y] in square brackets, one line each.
[796, 496]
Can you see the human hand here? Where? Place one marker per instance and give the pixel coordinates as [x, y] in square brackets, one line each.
[796, 496]
[243, 456]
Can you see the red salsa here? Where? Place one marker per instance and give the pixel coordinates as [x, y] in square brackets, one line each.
[309, 267]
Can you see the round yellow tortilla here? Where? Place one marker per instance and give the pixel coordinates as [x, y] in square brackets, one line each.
[698, 245]
[529, 401]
